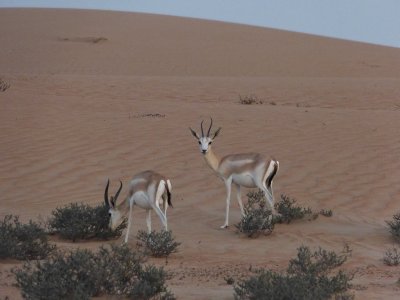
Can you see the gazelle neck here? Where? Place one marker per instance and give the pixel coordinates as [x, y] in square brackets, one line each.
[123, 207]
[212, 160]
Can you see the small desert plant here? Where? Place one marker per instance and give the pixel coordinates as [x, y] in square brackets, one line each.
[257, 218]
[326, 212]
[23, 241]
[4, 85]
[79, 221]
[229, 280]
[394, 227]
[392, 256]
[158, 244]
[249, 99]
[289, 211]
[309, 276]
[82, 274]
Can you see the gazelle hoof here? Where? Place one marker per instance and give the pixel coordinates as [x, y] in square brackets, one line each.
[224, 226]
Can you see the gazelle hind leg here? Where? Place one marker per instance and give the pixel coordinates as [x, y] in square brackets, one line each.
[268, 197]
[266, 184]
[165, 205]
[159, 197]
[228, 185]
[148, 221]
[161, 215]
[239, 199]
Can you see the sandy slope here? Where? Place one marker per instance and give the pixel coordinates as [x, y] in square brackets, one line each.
[84, 82]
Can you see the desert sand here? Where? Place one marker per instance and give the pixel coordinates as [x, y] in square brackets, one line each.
[97, 95]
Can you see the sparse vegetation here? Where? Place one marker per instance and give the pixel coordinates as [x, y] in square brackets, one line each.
[147, 115]
[394, 227]
[289, 211]
[92, 40]
[157, 244]
[326, 212]
[249, 99]
[309, 276]
[257, 218]
[229, 280]
[79, 221]
[82, 274]
[23, 241]
[4, 85]
[392, 256]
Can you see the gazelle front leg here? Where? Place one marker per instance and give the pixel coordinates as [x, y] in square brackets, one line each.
[228, 185]
[129, 221]
[269, 197]
[161, 215]
[148, 221]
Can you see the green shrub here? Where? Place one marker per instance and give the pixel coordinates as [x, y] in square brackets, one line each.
[79, 221]
[308, 276]
[23, 241]
[289, 211]
[82, 274]
[392, 257]
[257, 218]
[158, 244]
[394, 227]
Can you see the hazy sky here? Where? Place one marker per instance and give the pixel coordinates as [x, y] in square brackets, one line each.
[374, 21]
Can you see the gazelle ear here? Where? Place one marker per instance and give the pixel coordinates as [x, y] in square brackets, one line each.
[216, 133]
[112, 202]
[194, 133]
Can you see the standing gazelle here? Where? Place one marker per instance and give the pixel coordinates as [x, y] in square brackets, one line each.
[147, 190]
[250, 170]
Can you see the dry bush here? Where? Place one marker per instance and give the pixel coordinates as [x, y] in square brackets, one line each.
[82, 274]
[79, 221]
[392, 256]
[157, 244]
[23, 241]
[309, 276]
[289, 211]
[249, 99]
[394, 227]
[258, 217]
[326, 212]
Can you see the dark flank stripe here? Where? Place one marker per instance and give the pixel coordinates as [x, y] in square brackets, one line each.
[272, 175]
[168, 194]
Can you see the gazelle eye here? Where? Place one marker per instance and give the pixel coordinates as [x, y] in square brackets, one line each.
[199, 143]
[109, 214]
[209, 143]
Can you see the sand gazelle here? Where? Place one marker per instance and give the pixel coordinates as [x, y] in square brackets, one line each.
[147, 190]
[249, 170]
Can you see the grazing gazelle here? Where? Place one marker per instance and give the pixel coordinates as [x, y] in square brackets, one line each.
[250, 170]
[147, 190]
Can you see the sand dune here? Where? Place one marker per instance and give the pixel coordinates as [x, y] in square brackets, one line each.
[97, 95]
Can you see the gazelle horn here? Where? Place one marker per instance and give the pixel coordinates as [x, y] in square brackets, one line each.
[106, 194]
[209, 129]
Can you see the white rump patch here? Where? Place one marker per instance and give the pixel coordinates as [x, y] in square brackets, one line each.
[160, 192]
[169, 185]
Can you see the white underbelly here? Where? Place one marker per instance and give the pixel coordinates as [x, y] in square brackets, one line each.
[141, 199]
[244, 180]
